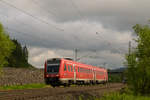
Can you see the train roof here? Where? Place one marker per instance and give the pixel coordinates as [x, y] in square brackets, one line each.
[71, 60]
[58, 59]
[84, 64]
[54, 59]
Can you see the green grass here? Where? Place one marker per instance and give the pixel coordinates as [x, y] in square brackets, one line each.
[118, 96]
[28, 86]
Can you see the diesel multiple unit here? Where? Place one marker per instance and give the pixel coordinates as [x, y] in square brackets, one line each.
[61, 71]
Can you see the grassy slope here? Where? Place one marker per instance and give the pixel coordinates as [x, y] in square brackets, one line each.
[28, 86]
[118, 96]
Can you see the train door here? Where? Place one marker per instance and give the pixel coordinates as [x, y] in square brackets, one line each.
[74, 73]
[94, 75]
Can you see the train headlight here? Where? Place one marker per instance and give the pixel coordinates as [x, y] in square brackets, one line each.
[57, 75]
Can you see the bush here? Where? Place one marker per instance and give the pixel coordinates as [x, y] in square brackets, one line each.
[138, 62]
[115, 78]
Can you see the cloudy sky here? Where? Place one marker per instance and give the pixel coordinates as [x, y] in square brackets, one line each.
[99, 29]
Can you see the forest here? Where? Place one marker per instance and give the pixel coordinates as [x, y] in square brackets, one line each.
[12, 53]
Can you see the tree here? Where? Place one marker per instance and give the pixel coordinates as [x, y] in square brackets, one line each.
[19, 56]
[138, 61]
[6, 47]
[25, 53]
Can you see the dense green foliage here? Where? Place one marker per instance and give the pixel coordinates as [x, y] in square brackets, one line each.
[6, 47]
[115, 96]
[19, 56]
[118, 96]
[12, 54]
[138, 61]
[113, 78]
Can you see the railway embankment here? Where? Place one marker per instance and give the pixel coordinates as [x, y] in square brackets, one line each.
[61, 93]
[21, 76]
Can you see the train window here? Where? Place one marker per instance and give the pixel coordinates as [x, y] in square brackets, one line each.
[53, 68]
[65, 67]
[78, 69]
[69, 68]
[83, 70]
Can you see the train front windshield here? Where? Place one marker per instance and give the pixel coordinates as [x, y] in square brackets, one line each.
[53, 68]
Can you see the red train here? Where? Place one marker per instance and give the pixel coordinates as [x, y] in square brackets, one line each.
[61, 71]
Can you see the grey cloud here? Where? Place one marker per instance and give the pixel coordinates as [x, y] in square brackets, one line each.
[81, 21]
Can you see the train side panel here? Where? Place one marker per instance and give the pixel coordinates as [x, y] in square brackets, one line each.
[101, 75]
[84, 74]
[71, 72]
[67, 71]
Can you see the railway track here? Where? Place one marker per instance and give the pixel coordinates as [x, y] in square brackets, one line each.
[58, 92]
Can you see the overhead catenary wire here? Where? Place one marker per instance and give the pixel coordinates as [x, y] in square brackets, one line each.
[16, 21]
[26, 35]
[84, 57]
[46, 10]
[34, 17]
[108, 43]
[16, 31]
[83, 17]
[7, 19]
[29, 13]
[78, 11]
[75, 6]
[20, 32]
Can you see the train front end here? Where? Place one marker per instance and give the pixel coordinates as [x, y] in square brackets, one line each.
[51, 71]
